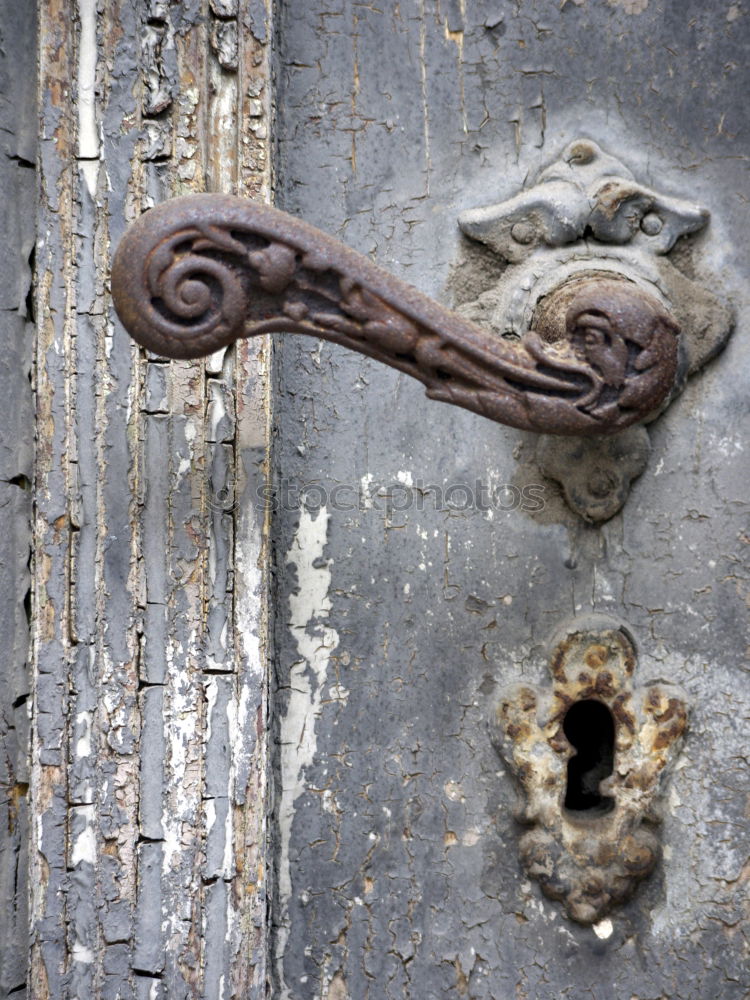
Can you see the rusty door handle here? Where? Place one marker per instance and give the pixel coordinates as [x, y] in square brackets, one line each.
[199, 272]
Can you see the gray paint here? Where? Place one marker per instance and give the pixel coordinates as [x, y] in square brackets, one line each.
[396, 872]
[148, 874]
[17, 236]
[396, 867]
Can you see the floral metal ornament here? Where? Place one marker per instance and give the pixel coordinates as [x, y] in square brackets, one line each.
[586, 218]
[586, 193]
[592, 754]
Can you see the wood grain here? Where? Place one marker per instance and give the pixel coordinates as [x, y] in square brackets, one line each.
[149, 778]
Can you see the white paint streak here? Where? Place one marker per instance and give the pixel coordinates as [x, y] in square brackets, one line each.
[227, 861]
[186, 464]
[83, 743]
[309, 608]
[84, 848]
[88, 136]
[217, 411]
[82, 954]
[180, 729]
[209, 807]
[238, 715]
[365, 491]
[337, 692]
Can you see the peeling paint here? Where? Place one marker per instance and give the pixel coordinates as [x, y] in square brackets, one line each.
[81, 953]
[84, 848]
[136, 572]
[88, 133]
[83, 744]
[309, 608]
[445, 918]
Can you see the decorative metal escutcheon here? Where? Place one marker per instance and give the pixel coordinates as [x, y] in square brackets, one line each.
[592, 754]
[579, 337]
[587, 218]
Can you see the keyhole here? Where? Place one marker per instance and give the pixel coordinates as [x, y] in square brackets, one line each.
[590, 728]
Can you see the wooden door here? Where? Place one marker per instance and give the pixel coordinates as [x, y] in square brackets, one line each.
[398, 622]
[269, 620]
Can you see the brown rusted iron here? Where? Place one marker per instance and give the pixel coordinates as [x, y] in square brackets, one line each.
[590, 854]
[199, 272]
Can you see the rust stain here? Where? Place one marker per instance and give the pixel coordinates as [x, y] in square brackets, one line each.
[591, 862]
[596, 656]
[19, 792]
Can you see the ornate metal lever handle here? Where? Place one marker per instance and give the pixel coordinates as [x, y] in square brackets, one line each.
[198, 272]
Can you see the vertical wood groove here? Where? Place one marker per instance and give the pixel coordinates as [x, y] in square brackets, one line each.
[17, 238]
[149, 590]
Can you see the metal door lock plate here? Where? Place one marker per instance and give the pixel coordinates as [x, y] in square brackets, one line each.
[592, 754]
[197, 273]
[579, 336]
[587, 219]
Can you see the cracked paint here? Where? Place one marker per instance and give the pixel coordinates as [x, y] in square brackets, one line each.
[88, 134]
[401, 890]
[315, 640]
[142, 613]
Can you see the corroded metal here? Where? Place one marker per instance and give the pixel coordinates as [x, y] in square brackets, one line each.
[587, 215]
[595, 474]
[197, 273]
[586, 193]
[590, 860]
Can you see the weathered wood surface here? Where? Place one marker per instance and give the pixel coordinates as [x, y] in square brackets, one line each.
[397, 870]
[17, 237]
[148, 780]
[395, 865]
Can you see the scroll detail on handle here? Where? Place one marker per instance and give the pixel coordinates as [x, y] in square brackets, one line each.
[199, 272]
